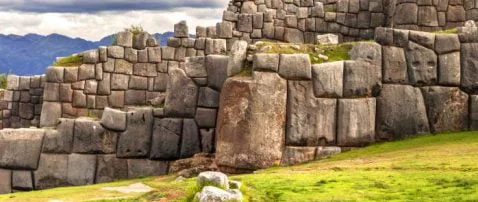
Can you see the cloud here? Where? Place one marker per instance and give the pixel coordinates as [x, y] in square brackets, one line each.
[94, 26]
[92, 6]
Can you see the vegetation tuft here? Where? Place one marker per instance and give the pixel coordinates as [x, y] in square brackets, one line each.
[134, 29]
[448, 31]
[3, 81]
[246, 71]
[70, 61]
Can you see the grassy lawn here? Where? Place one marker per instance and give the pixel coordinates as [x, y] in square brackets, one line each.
[429, 168]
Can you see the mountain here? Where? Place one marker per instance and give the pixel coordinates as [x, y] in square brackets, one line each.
[32, 54]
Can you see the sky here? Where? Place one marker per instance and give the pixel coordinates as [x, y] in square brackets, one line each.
[95, 19]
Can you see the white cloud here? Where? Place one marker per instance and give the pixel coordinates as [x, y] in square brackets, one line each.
[94, 26]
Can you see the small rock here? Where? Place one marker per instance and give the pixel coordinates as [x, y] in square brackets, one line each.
[216, 179]
[470, 23]
[323, 57]
[214, 194]
[295, 47]
[326, 39]
[265, 48]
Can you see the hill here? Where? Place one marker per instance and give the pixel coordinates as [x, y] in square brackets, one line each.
[32, 53]
[429, 168]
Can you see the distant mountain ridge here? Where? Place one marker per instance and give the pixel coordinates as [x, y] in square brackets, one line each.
[32, 54]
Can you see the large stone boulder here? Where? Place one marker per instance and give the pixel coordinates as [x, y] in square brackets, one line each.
[181, 96]
[447, 108]
[469, 67]
[400, 113]
[310, 120]
[216, 66]
[52, 171]
[237, 57]
[20, 148]
[356, 122]
[328, 79]
[81, 169]
[422, 64]
[210, 178]
[111, 168]
[51, 112]
[166, 138]
[295, 66]
[5, 181]
[60, 140]
[22, 180]
[361, 79]
[190, 143]
[366, 51]
[252, 114]
[296, 155]
[136, 140]
[114, 119]
[214, 194]
[145, 168]
[394, 65]
[91, 138]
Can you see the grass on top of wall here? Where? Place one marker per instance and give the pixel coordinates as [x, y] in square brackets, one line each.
[447, 31]
[337, 52]
[428, 168]
[134, 29]
[70, 61]
[3, 81]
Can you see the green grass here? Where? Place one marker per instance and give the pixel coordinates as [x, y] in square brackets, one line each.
[70, 61]
[3, 81]
[338, 52]
[246, 71]
[427, 169]
[448, 31]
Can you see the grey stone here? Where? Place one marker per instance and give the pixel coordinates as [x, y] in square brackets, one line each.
[81, 169]
[20, 148]
[86, 71]
[142, 56]
[244, 23]
[292, 35]
[55, 74]
[195, 67]
[190, 142]
[136, 140]
[224, 30]
[422, 64]
[60, 140]
[423, 38]
[181, 97]
[51, 112]
[104, 86]
[262, 99]
[109, 66]
[216, 66]
[356, 122]
[212, 193]
[237, 57]
[119, 82]
[310, 120]
[5, 181]
[161, 82]
[52, 92]
[394, 65]
[295, 67]
[13, 82]
[154, 54]
[206, 118]
[328, 79]
[266, 62]
[91, 57]
[361, 79]
[449, 69]
[207, 140]
[116, 99]
[145, 69]
[181, 30]
[52, 171]
[123, 67]
[138, 83]
[473, 112]
[366, 51]
[469, 67]
[166, 138]
[447, 108]
[91, 138]
[427, 16]
[296, 155]
[326, 152]
[208, 97]
[131, 55]
[26, 111]
[79, 99]
[91, 87]
[446, 43]
[111, 168]
[22, 180]
[211, 178]
[114, 119]
[145, 168]
[406, 13]
[135, 97]
[139, 40]
[116, 52]
[124, 39]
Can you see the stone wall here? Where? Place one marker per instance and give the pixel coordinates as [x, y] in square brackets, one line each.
[407, 84]
[21, 102]
[301, 20]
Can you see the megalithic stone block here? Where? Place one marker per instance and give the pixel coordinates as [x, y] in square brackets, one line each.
[181, 96]
[136, 140]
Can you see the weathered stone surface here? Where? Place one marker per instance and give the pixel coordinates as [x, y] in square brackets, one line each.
[114, 119]
[181, 30]
[81, 169]
[210, 178]
[138, 82]
[154, 54]
[427, 16]
[296, 155]
[361, 79]
[5, 181]
[206, 118]
[52, 92]
[124, 39]
[208, 97]
[79, 99]
[116, 52]
[90, 56]
[123, 67]
[406, 13]
[245, 102]
[446, 43]
[401, 113]
[91, 138]
[207, 140]
[422, 64]
[449, 69]
[310, 120]
[366, 51]
[469, 67]
[447, 108]
[190, 142]
[266, 62]
[55, 74]
[86, 71]
[52, 171]
[111, 168]
[181, 96]
[116, 99]
[394, 65]
[216, 66]
[328, 79]
[356, 122]
[145, 168]
[136, 140]
[326, 39]
[237, 57]
[473, 112]
[212, 193]
[26, 111]
[424, 39]
[61, 139]
[195, 67]
[140, 40]
[51, 112]
[166, 138]
[119, 82]
[13, 81]
[325, 152]
[292, 35]
[22, 180]
[224, 29]
[295, 67]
